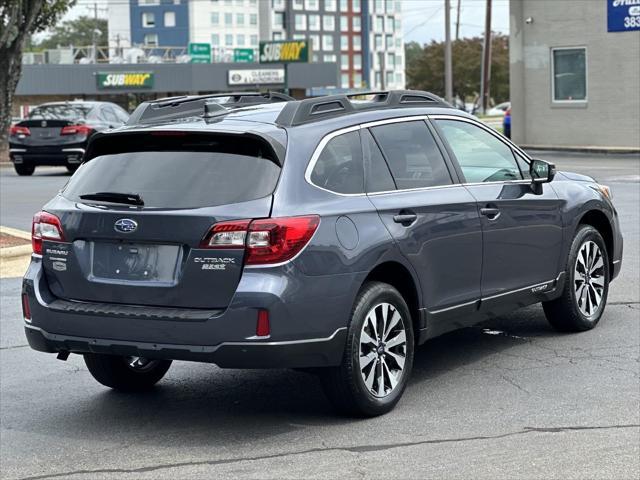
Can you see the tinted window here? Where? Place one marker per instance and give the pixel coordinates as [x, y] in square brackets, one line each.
[122, 115]
[109, 115]
[482, 156]
[524, 166]
[378, 176]
[339, 167]
[412, 154]
[59, 112]
[177, 179]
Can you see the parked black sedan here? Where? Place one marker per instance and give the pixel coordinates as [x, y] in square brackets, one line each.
[57, 133]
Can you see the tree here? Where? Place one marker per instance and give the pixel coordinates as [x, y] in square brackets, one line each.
[19, 19]
[78, 32]
[425, 67]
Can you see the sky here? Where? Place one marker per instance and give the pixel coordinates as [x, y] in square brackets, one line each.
[423, 20]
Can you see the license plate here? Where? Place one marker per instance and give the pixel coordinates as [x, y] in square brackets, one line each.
[135, 262]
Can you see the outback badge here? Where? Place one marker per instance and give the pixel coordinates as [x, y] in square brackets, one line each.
[125, 225]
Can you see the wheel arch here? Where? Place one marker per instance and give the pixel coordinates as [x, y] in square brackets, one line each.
[599, 220]
[400, 277]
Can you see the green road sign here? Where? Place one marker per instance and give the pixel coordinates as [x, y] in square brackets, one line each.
[122, 80]
[243, 55]
[285, 52]
[200, 52]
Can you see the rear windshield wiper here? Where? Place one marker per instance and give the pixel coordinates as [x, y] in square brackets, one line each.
[115, 197]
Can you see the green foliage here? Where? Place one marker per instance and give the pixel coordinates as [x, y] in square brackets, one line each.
[425, 67]
[78, 32]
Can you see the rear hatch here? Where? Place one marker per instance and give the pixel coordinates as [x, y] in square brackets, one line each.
[156, 253]
[46, 125]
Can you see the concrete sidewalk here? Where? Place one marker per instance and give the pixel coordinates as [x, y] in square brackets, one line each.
[14, 259]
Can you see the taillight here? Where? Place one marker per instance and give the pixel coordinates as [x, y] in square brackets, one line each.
[266, 241]
[76, 130]
[18, 130]
[26, 310]
[46, 226]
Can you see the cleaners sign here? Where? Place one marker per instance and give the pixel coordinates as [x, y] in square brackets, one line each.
[124, 80]
[623, 15]
[284, 52]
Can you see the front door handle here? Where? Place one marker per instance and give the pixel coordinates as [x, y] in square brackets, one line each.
[405, 219]
[491, 213]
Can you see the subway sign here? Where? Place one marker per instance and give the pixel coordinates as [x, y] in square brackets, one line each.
[284, 52]
[124, 80]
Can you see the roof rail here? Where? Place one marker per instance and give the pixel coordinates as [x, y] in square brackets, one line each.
[172, 108]
[320, 108]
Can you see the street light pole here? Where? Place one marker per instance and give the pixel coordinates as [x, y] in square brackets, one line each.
[448, 81]
[486, 60]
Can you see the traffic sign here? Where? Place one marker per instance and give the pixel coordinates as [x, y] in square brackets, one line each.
[200, 52]
[243, 55]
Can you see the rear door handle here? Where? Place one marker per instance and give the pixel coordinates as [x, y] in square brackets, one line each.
[490, 212]
[405, 219]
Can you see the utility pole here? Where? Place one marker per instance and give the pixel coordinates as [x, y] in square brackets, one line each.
[448, 80]
[458, 20]
[486, 61]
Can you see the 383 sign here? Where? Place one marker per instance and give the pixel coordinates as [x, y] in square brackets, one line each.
[623, 15]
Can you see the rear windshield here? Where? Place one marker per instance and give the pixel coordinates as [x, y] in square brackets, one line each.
[172, 179]
[59, 112]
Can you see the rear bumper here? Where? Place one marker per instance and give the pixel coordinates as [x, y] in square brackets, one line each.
[54, 156]
[317, 352]
[308, 318]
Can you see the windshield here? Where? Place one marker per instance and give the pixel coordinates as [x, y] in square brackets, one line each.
[59, 112]
[177, 179]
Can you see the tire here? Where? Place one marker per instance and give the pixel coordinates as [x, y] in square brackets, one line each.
[578, 308]
[345, 385]
[118, 373]
[24, 170]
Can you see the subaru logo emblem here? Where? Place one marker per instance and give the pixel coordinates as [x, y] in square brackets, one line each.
[125, 225]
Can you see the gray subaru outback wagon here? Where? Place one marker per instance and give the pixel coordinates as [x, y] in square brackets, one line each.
[333, 234]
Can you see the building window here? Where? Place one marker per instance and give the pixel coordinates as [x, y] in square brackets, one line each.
[389, 78]
[327, 43]
[569, 74]
[151, 39]
[240, 18]
[278, 20]
[390, 41]
[253, 19]
[357, 43]
[398, 24]
[312, 4]
[378, 42]
[357, 61]
[330, 5]
[344, 42]
[277, 35]
[298, 4]
[357, 80]
[379, 27]
[356, 6]
[228, 19]
[240, 3]
[240, 40]
[329, 23]
[389, 25]
[169, 19]
[215, 39]
[278, 4]
[344, 62]
[379, 6]
[148, 20]
[254, 40]
[215, 18]
[314, 22]
[330, 58]
[299, 36]
[228, 40]
[344, 80]
[315, 42]
[301, 22]
[344, 23]
[357, 24]
[149, 2]
[344, 5]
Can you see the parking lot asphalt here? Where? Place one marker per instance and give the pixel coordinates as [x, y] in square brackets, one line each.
[510, 398]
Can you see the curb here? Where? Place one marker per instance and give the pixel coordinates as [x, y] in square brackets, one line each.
[19, 250]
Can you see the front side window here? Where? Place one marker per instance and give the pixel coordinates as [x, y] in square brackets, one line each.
[569, 72]
[481, 156]
[412, 155]
[340, 167]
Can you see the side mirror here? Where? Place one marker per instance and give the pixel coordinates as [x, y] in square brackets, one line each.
[541, 171]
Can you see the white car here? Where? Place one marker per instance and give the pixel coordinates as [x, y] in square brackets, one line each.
[499, 109]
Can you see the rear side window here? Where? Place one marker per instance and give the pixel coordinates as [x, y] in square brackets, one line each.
[378, 176]
[339, 167]
[412, 154]
[177, 179]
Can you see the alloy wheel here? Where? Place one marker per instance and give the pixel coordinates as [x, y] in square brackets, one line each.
[383, 349]
[589, 280]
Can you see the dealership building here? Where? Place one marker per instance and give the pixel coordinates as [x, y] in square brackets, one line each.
[575, 73]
